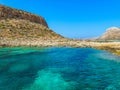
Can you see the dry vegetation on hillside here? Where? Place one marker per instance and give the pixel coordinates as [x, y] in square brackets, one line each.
[24, 29]
[11, 13]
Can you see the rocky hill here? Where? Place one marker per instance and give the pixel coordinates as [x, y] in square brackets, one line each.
[11, 13]
[24, 29]
[20, 25]
[112, 33]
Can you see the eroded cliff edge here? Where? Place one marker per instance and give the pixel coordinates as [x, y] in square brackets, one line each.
[11, 13]
[21, 26]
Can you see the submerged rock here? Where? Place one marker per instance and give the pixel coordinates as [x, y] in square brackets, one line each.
[111, 87]
[48, 80]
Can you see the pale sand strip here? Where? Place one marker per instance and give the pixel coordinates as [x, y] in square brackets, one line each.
[110, 46]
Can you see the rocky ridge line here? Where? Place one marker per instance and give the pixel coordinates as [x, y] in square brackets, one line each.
[11, 13]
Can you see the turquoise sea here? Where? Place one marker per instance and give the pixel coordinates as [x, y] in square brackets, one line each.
[24, 68]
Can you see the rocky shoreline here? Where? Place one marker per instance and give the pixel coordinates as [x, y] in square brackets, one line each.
[113, 47]
[21, 28]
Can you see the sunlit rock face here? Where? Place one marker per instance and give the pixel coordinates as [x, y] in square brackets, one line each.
[11, 13]
[112, 33]
[19, 28]
[20, 25]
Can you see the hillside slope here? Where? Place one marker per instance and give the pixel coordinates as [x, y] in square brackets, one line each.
[112, 33]
[24, 29]
[20, 25]
[11, 13]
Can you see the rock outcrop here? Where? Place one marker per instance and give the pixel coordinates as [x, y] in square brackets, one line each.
[11, 13]
[20, 25]
[24, 29]
[112, 33]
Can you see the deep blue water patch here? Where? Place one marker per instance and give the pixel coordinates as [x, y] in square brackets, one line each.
[58, 69]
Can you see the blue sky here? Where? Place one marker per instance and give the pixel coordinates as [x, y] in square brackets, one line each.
[73, 18]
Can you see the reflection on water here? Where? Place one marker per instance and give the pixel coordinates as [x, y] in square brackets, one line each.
[58, 69]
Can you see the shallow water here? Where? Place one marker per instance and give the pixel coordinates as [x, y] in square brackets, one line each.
[58, 69]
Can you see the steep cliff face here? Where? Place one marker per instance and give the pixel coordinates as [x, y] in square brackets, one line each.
[112, 33]
[10, 13]
[19, 25]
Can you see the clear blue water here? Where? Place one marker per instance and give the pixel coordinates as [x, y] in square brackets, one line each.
[58, 69]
